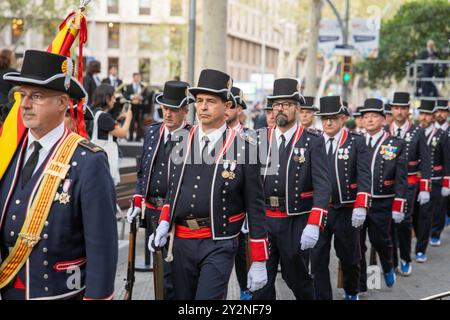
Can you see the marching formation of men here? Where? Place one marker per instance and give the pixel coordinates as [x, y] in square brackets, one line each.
[216, 195]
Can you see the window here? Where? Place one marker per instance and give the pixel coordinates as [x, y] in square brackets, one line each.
[144, 69]
[113, 61]
[176, 8]
[145, 38]
[144, 7]
[16, 30]
[113, 6]
[113, 35]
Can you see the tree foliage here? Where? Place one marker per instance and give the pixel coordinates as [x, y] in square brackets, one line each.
[404, 36]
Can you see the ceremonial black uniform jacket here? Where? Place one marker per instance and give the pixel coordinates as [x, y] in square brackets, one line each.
[79, 244]
[438, 146]
[308, 186]
[230, 200]
[389, 171]
[352, 171]
[417, 155]
[153, 141]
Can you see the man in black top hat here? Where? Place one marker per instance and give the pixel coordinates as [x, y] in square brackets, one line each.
[419, 173]
[153, 173]
[388, 189]
[297, 190]
[348, 164]
[212, 188]
[441, 115]
[307, 113]
[359, 123]
[388, 114]
[434, 211]
[61, 184]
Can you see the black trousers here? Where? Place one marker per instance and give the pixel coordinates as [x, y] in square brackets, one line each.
[284, 248]
[348, 250]
[240, 262]
[378, 225]
[401, 233]
[201, 268]
[439, 217]
[136, 123]
[424, 217]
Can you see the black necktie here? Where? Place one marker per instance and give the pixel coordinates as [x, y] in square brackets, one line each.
[330, 148]
[399, 133]
[205, 153]
[282, 146]
[168, 145]
[31, 164]
[370, 142]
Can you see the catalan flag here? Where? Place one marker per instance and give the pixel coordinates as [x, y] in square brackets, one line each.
[13, 129]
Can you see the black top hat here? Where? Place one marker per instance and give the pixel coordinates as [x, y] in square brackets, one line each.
[238, 98]
[427, 106]
[48, 70]
[357, 113]
[346, 111]
[213, 82]
[175, 95]
[372, 105]
[269, 105]
[442, 105]
[309, 104]
[401, 99]
[387, 108]
[286, 89]
[331, 105]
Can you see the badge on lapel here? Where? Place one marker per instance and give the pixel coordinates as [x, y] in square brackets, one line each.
[434, 142]
[408, 137]
[343, 154]
[299, 155]
[64, 197]
[229, 174]
[388, 152]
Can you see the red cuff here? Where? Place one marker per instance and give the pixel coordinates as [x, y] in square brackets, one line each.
[362, 200]
[424, 185]
[259, 249]
[137, 198]
[398, 205]
[107, 298]
[318, 217]
[165, 213]
[446, 182]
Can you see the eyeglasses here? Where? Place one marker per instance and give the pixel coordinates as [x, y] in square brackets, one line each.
[37, 98]
[283, 106]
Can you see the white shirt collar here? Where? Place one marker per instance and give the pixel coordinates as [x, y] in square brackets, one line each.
[429, 129]
[404, 128]
[443, 127]
[288, 134]
[375, 137]
[336, 140]
[238, 128]
[213, 136]
[49, 140]
[166, 131]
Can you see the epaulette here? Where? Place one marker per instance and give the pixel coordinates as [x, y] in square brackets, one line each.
[90, 146]
[247, 137]
[313, 131]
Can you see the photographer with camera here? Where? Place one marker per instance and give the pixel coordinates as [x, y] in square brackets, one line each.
[105, 127]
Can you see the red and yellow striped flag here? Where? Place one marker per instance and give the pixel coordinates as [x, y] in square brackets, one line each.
[11, 134]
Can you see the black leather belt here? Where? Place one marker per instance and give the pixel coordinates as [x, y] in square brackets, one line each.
[273, 203]
[194, 223]
[156, 201]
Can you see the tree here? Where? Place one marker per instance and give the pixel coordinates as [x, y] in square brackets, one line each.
[311, 60]
[404, 36]
[45, 14]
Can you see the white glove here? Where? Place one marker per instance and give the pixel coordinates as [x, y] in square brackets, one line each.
[160, 238]
[257, 276]
[423, 197]
[445, 192]
[358, 217]
[244, 228]
[310, 236]
[132, 213]
[398, 216]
